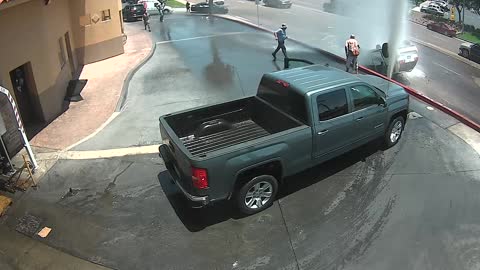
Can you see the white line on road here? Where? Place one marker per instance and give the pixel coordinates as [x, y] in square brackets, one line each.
[435, 63]
[201, 37]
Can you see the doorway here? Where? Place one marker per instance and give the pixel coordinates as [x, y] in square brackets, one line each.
[70, 54]
[24, 89]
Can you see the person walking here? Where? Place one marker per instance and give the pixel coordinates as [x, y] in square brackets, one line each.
[280, 36]
[187, 5]
[146, 21]
[352, 51]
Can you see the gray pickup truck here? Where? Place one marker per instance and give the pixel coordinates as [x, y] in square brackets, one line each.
[243, 149]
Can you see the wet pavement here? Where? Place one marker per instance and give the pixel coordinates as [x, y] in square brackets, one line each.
[414, 206]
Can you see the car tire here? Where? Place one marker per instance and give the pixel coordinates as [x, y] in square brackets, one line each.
[465, 53]
[394, 131]
[257, 194]
[429, 27]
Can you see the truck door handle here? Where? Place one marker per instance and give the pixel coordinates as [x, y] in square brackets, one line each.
[360, 119]
[322, 132]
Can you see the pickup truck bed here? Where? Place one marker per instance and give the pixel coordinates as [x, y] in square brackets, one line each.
[228, 124]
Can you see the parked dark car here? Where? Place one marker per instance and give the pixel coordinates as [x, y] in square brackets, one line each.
[243, 149]
[470, 51]
[442, 28]
[278, 3]
[133, 12]
[205, 8]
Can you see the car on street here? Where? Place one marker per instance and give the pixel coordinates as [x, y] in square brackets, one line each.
[133, 12]
[152, 7]
[243, 149]
[443, 5]
[278, 3]
[432, 8]
[442, 28]
[205, 8]
[470, 51]
[406, 58]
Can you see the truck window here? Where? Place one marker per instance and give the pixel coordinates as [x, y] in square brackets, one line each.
[363, 97]
[283, 98]
[332, 104]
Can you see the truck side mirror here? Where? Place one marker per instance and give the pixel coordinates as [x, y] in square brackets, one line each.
[385, 50]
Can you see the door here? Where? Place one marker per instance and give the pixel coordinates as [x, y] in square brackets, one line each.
[369, 111]
[332, 121]
[22, 88]
[70, 53]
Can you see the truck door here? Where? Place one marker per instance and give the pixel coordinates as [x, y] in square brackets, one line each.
[475, 52]
[332, 121]
[369, 111]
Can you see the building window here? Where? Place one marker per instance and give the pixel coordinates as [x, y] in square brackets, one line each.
[85, 20]
[61, 53]
[106, 15]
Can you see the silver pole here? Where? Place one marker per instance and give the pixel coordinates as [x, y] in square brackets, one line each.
[258, 15]
[29, 150]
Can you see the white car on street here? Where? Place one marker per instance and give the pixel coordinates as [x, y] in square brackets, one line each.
[406, 58]
[152, 10]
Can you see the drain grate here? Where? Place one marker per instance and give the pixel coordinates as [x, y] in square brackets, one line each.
[28, 225]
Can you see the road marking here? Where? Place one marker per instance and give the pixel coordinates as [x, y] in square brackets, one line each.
[435, 63]
[201, 37]
[110, 153]
[109, 120]
[312, 9]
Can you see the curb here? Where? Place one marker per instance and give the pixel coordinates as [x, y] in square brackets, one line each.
[460, 117]
[126, 82]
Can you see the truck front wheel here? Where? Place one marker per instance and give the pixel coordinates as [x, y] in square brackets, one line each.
[257, 194]
[394, 131]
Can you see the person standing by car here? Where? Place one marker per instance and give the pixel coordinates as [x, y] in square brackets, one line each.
[280, 36]
[146, 21]
[352, 51]
[187, 5]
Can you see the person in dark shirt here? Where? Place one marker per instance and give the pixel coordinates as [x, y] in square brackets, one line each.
[280, 36]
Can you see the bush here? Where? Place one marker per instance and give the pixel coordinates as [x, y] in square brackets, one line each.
[469, 28]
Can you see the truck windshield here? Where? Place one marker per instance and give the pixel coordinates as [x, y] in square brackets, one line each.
[283, 98]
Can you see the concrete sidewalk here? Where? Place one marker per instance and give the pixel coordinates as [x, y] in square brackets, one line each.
[101, 94]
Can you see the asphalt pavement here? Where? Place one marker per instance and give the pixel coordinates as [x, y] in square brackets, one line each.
[414, 206]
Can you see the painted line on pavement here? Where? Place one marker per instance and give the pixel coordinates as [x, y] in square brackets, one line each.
[110, 119]
[435, 63]
[110, 153]
[313, 9]
[201, 37]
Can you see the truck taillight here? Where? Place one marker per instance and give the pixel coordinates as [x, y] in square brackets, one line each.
[199, 178]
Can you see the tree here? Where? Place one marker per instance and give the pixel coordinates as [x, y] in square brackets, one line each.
[461, 5]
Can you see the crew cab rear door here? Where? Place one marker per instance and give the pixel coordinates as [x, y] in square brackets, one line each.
[333, 123]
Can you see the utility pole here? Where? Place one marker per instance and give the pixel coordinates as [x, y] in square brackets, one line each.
[257, 2]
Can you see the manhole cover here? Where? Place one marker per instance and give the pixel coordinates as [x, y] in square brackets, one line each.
[28, 225]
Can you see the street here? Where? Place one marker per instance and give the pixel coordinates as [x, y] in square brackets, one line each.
[414, 206]
[437, 75]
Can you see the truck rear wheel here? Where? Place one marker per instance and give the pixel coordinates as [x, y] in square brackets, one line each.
[257, 194]
[394, 131]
